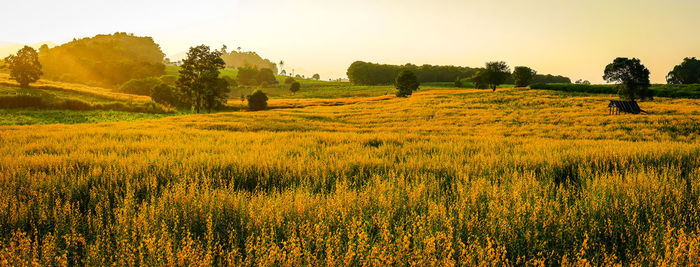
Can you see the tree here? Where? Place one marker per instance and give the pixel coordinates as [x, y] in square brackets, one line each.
[199, 80]
[316, 77]
[294, 87]
[165, 94]
[494, 74]
[458, 82]
[24, 67]
[632, 77]
[406, 83]
[523, 76]
[283, 73]
[257, 100]
[282, 68]
[478, 80]
[289, 80]
[267, 76]
[248, 75]
[688, 72]
[580, 81]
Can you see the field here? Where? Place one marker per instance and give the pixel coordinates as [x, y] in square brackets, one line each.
[444, 177]
[660, 90]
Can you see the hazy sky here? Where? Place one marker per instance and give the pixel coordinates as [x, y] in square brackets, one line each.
[568, 37]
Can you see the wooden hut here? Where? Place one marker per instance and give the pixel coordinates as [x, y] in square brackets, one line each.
[617, 107]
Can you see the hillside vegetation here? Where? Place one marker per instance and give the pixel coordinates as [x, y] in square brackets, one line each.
[103, 60]
[459, 177]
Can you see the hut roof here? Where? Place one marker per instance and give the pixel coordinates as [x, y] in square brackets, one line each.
[626, 106]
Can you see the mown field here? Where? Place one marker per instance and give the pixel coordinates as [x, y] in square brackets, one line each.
[460, 177]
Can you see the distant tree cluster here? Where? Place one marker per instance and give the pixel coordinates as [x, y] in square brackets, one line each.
[548, 78]
[238, 59]
[494, 73]
[251, 76]
[523, 76]
[688, 72]
[364, 73]
[103, 60]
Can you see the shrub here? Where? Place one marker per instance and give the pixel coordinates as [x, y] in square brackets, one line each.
[458, 82]
[140, 86]
[74, 104]
[169, 79]
[257, 100]
[166, 95]
[295, 87]
[289, 80]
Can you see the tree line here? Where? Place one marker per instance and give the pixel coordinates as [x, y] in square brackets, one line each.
[364, 73]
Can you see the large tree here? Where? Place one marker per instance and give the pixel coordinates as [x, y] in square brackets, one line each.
[406, 83]
[199, 80]
[631, 76]
[24, 67]
[495, 73]
[688, 72]
[523, 76]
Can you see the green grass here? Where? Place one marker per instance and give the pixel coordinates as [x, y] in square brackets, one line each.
[37, 116]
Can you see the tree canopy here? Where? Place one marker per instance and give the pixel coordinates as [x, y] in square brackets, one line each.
[236, 59]
[523, 76]
[24, 66]
[199, 80]
[406, 83]
[632, 77]
[316, 77]
[294, 87]
[688, 72]
[257, 100]
[495, 73]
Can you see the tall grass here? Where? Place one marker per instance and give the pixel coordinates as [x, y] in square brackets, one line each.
[512, 177]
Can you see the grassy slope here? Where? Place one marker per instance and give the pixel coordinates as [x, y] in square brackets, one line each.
[440, 178]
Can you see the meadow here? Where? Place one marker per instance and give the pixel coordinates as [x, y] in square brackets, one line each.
[451, 177]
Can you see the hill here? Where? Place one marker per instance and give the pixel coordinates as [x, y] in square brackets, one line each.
[236, 59]
[103, 60]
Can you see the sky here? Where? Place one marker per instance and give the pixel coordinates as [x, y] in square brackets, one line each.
[574, 38]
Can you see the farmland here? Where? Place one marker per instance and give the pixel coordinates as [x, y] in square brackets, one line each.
[447, 176]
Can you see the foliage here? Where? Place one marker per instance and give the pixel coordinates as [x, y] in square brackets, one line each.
[143, 86]
[458, 82]
[104, 60]
[523, 76]
[494, 74]
[257, 101]
[586, 82]
[363, 73]
[166, 95]
[398, 182]
[539, 78]
[316, 77]
[266, 76]
[24, 67]
[199, 80]
[632, 77]
[688, 72]
[289, 80]
[294, 87]
[168, 79]
[406, 83]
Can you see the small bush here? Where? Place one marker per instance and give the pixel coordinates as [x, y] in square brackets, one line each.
[166, 95]
[257, 101]
[140, 86]
[295, 87]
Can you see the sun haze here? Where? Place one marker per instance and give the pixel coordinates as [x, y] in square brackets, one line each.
[572, 38]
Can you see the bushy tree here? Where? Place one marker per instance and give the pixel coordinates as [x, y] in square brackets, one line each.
[199, 80]
[257, 100]
[631, 76]
[24, 67]
[580, 81]
[478, 80]
[295, 87]
[688, 72]
[458, 82]
[523, 76]
[316, 77]
[166, 95]
[140, 86]
[266, 76]
[406, 83]
[289, 80]
[495, 73]
[248, 76]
